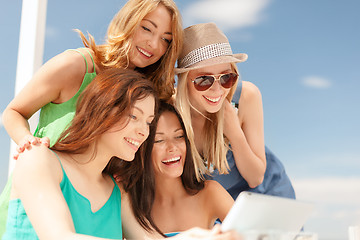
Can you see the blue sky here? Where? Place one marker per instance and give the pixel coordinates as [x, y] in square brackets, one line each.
[303, 55]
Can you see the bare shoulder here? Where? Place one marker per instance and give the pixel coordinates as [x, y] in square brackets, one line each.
[250, 90]
[38, 159]
[212, 187]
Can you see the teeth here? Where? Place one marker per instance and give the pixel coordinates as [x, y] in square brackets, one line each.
[133, 142]
[213, 99]
[174, 159]
[145, 53]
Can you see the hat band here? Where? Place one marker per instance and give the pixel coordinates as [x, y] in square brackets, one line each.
[205, 52]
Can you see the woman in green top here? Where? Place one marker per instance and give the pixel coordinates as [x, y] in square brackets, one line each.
[66, 192]
[145, 35]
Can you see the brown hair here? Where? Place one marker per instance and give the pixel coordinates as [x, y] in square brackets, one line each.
[107, 100]
[138, 177]
[115, 52]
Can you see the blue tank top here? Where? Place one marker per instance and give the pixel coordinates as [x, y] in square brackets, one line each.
[104, 223]
[276, 182]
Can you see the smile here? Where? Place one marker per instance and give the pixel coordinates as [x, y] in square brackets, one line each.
[133, 142]
[171, 160]
[214, 100]
[146, 53]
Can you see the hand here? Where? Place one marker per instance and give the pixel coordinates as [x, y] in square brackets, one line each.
[214, 234]
[231, 120]
[26, 143]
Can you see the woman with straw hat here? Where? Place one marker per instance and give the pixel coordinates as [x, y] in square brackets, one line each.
[228, 142]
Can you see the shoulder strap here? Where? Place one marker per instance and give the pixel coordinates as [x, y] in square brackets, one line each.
[57, 156]
[92, 59]
[76, 50]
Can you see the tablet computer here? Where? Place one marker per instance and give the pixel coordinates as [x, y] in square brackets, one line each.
[260, 212]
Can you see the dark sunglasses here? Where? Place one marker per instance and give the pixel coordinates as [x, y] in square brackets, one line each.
[204, 82]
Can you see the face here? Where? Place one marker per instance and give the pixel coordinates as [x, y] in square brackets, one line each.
[151, 38]
[169, 150]
[210, 100]
[124, 138]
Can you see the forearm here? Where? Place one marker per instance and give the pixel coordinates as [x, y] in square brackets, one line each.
[251, 166]
[15, 124]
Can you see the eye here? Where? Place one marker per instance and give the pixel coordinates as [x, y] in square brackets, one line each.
[146, 29]
[158, 141]
[133, 117]
[180, 137]
[168, 41]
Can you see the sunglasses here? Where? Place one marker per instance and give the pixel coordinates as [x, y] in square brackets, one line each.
[204, 82]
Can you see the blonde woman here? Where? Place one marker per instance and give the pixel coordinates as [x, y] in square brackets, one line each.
[145, 35]
[228, 142]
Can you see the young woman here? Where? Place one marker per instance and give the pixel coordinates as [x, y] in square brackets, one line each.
[64, 193]
[145, 35]
[229, 142]
[173, 199]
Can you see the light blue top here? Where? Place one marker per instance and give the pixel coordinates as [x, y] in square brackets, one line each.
[104, 223]
[276, 182]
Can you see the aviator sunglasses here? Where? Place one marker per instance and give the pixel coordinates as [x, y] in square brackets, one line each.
[204, 82]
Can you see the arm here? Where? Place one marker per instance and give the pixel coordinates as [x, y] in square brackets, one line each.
[217, 199]
[214, 234]
[56, 81]
[245, 132]
[36, 180]
[131, 228]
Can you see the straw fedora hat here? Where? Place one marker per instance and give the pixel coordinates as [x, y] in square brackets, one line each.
[205, 45]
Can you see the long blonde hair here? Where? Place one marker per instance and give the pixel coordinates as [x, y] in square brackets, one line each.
[215, 143]
[115, 51]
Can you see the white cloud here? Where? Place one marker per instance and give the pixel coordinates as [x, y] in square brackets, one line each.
[227, 14]
[316, 82]
[1, 124]
[329, 190]
[337, 204]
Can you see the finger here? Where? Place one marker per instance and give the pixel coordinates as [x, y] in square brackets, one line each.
[45, 141]
[27, 145]
[16, 156]
[20, 148]
[216, 229]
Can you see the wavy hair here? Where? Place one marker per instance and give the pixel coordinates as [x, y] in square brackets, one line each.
[107, 100]
[115, 51]
[138, 177]
[215, 143]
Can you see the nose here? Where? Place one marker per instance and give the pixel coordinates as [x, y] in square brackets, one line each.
[171, 146]
[216, 85]
[143, 130]
[153, 42]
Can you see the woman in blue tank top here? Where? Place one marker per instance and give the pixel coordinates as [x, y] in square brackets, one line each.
[67, 190]
[229, 141]
[173, 200]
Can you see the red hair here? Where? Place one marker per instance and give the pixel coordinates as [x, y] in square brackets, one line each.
[107, 100]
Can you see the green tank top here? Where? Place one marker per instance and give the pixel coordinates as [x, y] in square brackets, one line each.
[104, 223]
[55, 118]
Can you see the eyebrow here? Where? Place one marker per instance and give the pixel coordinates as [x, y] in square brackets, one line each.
[156, 26]
[179, 129]
[142, 112]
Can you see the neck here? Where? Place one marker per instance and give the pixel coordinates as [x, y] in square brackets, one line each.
[169, 189]
[91, 162]
[197, 118]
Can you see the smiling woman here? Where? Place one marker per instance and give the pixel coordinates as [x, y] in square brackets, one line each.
[145, 35]
[65, 191]
[172, 199]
